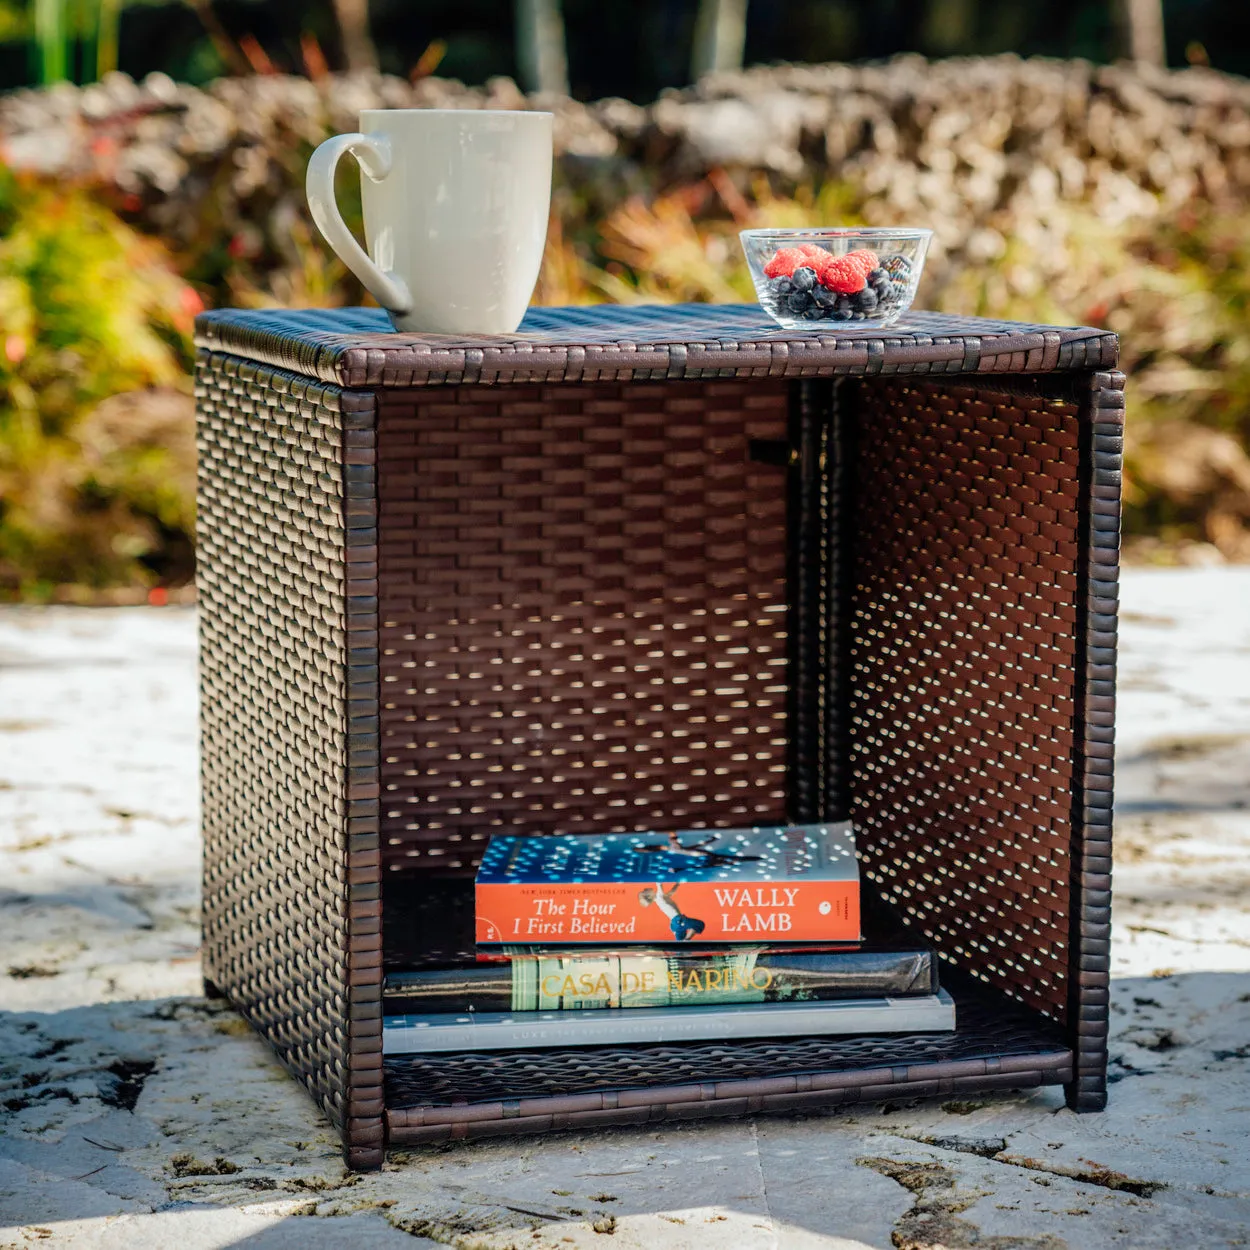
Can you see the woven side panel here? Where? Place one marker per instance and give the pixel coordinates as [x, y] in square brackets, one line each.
[1089, 996]
[964, 620]
[289, 862]
[583, 612]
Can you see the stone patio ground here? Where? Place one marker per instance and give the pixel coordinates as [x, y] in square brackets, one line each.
[136, 1114]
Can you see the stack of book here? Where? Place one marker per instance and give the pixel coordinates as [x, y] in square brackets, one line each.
[650, 938]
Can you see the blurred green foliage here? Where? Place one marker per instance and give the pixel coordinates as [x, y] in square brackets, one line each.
[631, 48]
[96, 456]
[66, 39]
[91, 493]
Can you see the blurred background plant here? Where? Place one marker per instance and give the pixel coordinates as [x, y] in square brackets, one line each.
[587, 48]
[97, 461]
[1060, 190]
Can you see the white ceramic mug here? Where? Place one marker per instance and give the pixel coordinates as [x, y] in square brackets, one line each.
[455, 205]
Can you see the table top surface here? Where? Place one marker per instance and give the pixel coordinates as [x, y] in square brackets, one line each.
[356, 347]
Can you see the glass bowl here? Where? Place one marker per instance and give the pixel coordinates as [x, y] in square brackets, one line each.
[814, 278]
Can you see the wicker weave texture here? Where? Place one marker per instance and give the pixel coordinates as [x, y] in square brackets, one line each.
[583, 612]
[440, 1097]
[965, 603]
[356, 347]
[654, 566]
[282, 878]
[1090, 928]
[766, 1096]
[441, 1084]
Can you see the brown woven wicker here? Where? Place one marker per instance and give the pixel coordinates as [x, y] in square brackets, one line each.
[648, 566]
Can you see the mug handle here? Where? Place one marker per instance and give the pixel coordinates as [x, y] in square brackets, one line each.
[373, 153]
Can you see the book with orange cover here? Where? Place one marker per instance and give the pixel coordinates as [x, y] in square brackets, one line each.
[797, 883]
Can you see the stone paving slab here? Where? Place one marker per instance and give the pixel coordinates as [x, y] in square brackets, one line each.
[135, 1113]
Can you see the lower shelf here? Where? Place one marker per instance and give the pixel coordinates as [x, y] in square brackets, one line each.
[998, 1045]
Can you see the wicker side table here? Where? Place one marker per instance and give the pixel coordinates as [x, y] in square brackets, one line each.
[637, 567]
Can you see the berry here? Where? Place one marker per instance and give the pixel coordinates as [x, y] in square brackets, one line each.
[844, 274]
[865, 259]
[809, 283]
[817, 260]
[784, 262]
[814, 256]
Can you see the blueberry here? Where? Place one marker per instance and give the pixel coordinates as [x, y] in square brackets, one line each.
[804, 278]
[843, 304]
[781, 286]
[881, 284]
[866, 300]
[799, 302]
[815, 313]
[825, 297]
[841, 314]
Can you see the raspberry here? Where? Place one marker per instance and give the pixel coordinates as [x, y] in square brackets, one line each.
[844, 274]
[784, 262]
[815, 257]
[820, 264]
[864, 258]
